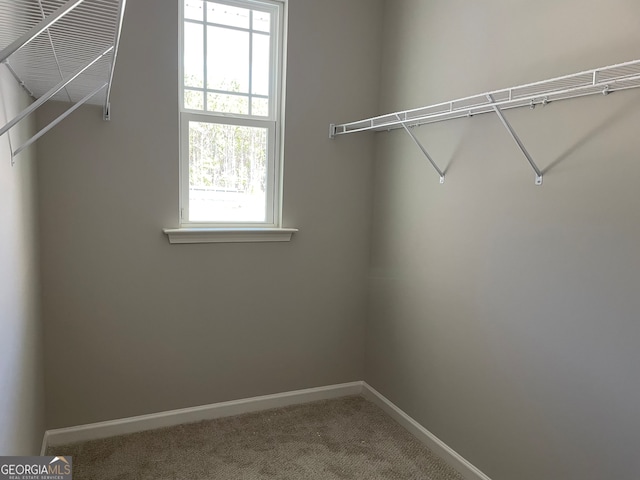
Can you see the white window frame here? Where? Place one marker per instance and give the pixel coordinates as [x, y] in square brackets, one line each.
[273, 122]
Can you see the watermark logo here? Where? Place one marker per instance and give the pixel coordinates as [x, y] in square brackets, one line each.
[36, 468]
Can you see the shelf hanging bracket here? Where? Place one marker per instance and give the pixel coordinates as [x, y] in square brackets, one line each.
[57, 120]
[421, 147]
[116, 45]
[38, 103]
[516, 139]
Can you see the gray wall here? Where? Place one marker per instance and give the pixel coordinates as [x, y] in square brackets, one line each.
[21, 367]
[505, 317]
[149, 326]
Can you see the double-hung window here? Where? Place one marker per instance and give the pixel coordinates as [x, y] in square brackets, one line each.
[230, 112]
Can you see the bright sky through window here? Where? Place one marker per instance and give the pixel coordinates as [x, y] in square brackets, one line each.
[236, 65]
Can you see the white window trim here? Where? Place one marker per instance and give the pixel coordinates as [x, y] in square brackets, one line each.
[228, 235]
[271, 230]
[273, 217]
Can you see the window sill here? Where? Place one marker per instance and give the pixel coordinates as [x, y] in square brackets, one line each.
[228, 235]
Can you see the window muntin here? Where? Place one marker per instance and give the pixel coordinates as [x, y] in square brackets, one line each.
[230, 107]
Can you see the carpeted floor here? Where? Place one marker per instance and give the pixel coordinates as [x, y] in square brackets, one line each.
[343, 439]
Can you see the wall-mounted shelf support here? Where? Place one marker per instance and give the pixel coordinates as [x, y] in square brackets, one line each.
[424, 151]
[116, 45]
[58, 120]
[37, 29]
[516, 139]
[77, 31]
[38, 103]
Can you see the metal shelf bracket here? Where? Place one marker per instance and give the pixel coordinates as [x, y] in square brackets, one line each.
[516, 139]
[104, 22]
[421, 147]
[40, 101]
[75, 106]
[116, 46]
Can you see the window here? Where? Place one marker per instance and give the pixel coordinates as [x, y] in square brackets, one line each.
[230, 112]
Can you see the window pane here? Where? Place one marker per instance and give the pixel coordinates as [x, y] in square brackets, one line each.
[260, 73]
[194, 100]
[260, 107]
[217, 102]
[261, 21]
[193, 55]
[193, 9]
[227, 15]
[227, 60]
[227, 173]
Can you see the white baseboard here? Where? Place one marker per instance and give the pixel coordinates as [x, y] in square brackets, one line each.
[45, 442]
[453, 458]
[94, 431]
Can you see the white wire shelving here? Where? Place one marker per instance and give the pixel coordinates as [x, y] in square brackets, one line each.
[61, 50]
[599, 81]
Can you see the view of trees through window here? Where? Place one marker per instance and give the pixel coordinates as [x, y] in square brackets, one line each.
[227, 172]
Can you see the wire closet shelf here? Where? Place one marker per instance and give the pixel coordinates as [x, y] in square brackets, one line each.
[62, 50]
[602, 80]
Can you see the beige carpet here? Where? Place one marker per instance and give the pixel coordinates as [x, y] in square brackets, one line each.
[343, 439]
